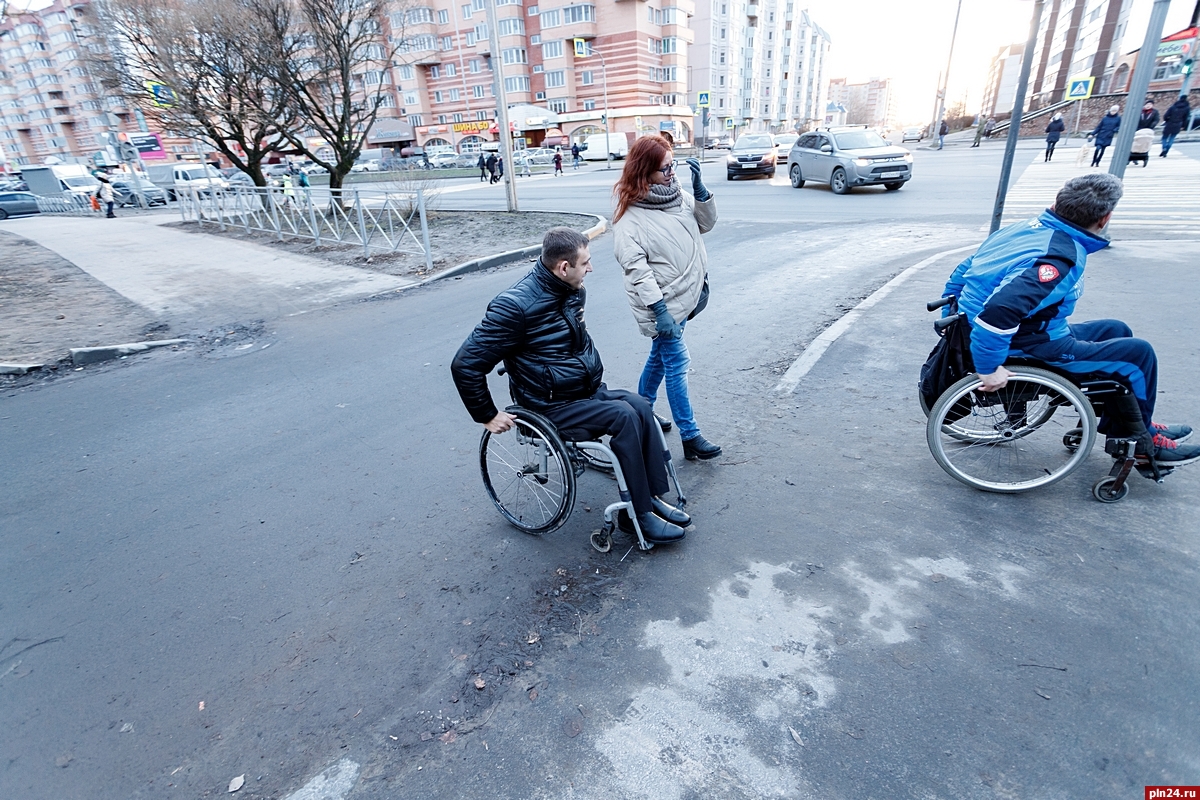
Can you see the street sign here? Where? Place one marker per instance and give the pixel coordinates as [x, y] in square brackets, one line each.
[581, 48]
[702, 102]
[163, 96]
[1080, 88]
[637, 123]
[729, 123]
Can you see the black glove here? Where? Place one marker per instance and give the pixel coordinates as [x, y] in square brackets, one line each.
[698, 191]
[664, 323]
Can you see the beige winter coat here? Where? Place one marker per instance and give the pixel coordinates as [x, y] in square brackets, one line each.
[663, 257]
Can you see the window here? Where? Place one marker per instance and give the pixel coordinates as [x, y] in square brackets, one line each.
[406, 72]
[455, 94]
[508, 2]
[589, 105]
[458, 117]
[416, 16]
[470, 37]
[552, 49]
[481, 32]
[514, 55]
[514, 26]
[540, 96]
[551, 19]
[721, 80]
[466, 11]
[416, 43]
[532, 11]
[477, 90]
[437, 97]
[654, 46]
[722, 58]
[670, 45]
[447, 43]
[558, 106]
[538, 69]
[663, 74]
[517, 83]
[410, 98]
[585, 77]
[481, 115]
[441, 119]
[415, 119]
[474, 64]
[555, 79]
[435, 71]
[535, 39]
[387, 101]
[580, 13]
[443, 17]
[451, 70]
[372, 78]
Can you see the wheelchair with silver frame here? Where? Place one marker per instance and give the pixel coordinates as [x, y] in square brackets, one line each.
[531, 474]
[1036, 430]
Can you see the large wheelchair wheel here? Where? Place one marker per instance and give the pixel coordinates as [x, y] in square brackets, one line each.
[528, 474]
[1011, 440]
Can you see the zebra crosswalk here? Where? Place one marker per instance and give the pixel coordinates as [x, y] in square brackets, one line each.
[1161, 199]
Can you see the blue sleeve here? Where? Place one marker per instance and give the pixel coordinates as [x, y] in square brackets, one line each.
[954, 285]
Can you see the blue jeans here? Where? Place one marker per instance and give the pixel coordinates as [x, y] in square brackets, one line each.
[1167, 141]
[669, 358]
[941, 141]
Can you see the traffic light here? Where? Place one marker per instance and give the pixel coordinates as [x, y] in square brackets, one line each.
[1187, 67]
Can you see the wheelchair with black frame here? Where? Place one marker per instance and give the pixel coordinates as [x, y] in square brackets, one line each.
[531, 474]
[1036, 430]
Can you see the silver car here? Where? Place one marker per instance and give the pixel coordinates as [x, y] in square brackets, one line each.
[848, 157]
[17, 204]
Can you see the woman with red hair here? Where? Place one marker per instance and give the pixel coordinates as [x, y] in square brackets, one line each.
[656, 237]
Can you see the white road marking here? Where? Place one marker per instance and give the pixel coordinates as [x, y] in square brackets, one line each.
[812, 354]
[332, 784]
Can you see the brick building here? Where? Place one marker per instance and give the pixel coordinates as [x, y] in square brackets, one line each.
[1076, 38]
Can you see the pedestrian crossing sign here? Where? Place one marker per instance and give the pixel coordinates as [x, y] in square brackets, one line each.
[729, 122]
[702, 101]
[581, 48]
[1080, 88]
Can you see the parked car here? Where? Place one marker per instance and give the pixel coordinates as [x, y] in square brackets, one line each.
[783, 145]
[721, 143]
[17, 204]
[848, 157]
[239, 178]
[752, 154]
[534, 155]
[124, 195]
[370, 165]
[13, 185]
[443, 160]
[914, 134]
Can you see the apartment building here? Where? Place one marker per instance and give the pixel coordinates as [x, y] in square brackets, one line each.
[763, 65]
[868, 103]
[1077, 38]
[1000, 92]
[50, 107]
[445, 84]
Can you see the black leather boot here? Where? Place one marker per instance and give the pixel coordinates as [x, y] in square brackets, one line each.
[673, 515]
[663, 423]
[701, 448]
[657, 530]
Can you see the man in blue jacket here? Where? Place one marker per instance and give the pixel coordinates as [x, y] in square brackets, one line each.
[1019, 288]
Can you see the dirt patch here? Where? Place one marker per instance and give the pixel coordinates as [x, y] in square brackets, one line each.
[454, 236]
[51, 305]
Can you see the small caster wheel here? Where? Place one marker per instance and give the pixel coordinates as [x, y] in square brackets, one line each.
[1072, 439]
[602, 539]
[1103, 492]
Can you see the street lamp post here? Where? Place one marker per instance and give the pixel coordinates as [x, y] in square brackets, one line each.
[591, 51]
[1014, 125]
[941, 101]
[506, 151]
[1137, 89]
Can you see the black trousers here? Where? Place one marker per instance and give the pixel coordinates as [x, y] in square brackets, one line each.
[628, 419]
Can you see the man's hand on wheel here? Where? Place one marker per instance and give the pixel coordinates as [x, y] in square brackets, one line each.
[997, 380]
[501, 422]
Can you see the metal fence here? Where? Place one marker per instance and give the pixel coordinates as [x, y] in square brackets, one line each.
[79, 205]
[376, 220]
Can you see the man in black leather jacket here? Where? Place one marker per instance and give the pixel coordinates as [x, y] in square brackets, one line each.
[536, 328]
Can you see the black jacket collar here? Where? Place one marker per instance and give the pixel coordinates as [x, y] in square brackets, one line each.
[549, 281]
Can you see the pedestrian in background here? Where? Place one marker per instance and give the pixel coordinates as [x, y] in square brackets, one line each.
[483, 168]
[105, 195]
[1173, 121]
[491, 168]
[575, 156]
[1103, 135]
[499, 168]
[558, 162]
[526, 169]
[978, 132]
[1149, 116]
[1053, 132]
[991, 126]
[656, 239]
[942, 131]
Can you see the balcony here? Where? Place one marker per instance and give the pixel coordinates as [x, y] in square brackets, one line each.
[680, 31]
[752, 10]
[685, 7]
[583, 30]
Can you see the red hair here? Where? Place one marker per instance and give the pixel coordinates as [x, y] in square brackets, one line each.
[644, 159]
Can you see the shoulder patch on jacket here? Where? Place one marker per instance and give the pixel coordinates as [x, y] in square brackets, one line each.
[1046, 273]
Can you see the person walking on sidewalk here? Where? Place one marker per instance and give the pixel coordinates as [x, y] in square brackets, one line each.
[557, 162]
[1148, 117]
[943, 129]
[991, 126]
[526, 169]
[499, 168]
[575, 156]
[105, 195]
[1103, 135]
[1174, 120]
[979, 131]
[536, 328]
[1053, 132]
[656, 239]
[483, 168]
[491, 168]
[1021, 286]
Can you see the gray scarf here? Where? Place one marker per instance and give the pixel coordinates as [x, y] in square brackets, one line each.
[662, 197]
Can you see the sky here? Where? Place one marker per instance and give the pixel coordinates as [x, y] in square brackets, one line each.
[910, 42]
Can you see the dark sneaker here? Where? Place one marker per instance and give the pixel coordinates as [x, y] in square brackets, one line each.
[1178, 433]
[657, 530]
[670, 513]
[665, 424]
[701, 448]
[1170, 453]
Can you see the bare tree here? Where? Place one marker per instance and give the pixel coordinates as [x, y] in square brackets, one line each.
[858, 110]
[334, 68]
[205, 68]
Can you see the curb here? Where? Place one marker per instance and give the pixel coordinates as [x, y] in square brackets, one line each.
[487, 262]
[92, 355]
[18, 369]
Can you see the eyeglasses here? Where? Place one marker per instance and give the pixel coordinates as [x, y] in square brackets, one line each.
[669, 168]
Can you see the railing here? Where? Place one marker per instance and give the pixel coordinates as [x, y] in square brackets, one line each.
[1003, 127]
[376, 220]
[78, 205]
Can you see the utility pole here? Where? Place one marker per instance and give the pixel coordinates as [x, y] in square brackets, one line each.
[582, 50]
[1137, 89]
[1014, 125]
[941, 101]
[506, 152]
[1187, 78]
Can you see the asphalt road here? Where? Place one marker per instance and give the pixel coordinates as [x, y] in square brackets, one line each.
[272, 560]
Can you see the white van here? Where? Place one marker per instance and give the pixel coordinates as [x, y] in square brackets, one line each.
[595, 148]
[186, 175]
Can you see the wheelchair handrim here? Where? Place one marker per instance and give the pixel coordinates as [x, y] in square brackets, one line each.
[533, 501]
